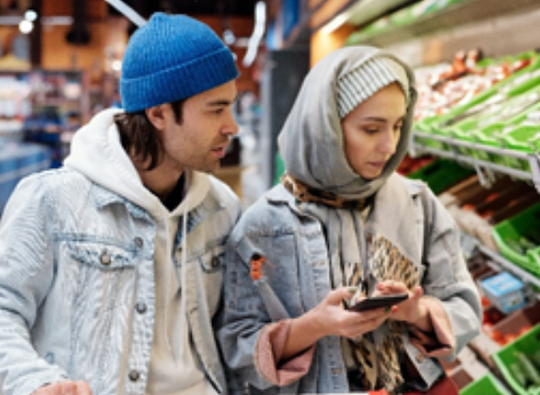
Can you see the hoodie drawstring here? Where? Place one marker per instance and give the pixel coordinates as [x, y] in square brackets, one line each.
[180, 278]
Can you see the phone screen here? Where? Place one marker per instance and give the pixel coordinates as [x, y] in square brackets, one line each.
[376, 302]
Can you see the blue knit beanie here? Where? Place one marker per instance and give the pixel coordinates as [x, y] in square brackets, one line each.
[172, 57]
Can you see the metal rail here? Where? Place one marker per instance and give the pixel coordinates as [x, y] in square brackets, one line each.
[482, 167]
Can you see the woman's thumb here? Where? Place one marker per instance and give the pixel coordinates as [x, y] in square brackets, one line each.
[337, 295]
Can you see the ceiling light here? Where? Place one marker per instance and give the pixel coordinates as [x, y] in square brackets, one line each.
[26, 26]
[335, 23]
[116, 65]
[128, 12]
[258, 32]
[30, 15]
[228, 37]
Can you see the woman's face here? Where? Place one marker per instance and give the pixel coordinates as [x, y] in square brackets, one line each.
[372, 130]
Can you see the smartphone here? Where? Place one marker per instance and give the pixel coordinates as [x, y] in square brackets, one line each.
[376, 302]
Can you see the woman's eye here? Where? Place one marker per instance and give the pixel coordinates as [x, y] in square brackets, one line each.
[371, 130]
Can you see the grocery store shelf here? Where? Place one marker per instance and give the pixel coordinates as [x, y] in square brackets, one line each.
[481, 166]
[470, 11]
[470, 243]
[366, 10]
[501, 263]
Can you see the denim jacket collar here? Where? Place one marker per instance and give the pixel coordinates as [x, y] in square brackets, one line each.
[103, 197]
[208, 206]
[280, 195]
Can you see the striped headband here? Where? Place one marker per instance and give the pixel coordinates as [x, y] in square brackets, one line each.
[362, 82]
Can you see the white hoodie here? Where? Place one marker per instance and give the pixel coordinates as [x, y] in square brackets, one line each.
[96, 151]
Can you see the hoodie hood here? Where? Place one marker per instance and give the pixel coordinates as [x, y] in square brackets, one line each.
[311, 140]
[96, 152]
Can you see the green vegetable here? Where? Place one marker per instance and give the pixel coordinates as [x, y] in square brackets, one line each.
[514, 244]
[527, 367]
[534, 390]
[536, 358]
[526, 244]
[520, 377]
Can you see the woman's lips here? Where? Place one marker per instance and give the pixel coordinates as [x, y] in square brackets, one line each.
[378, 165]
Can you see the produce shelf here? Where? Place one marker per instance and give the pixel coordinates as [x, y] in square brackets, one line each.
[510, 267]
[456, 14]
[470, 244]
[488, 384]
[526, 345]
[419, 148]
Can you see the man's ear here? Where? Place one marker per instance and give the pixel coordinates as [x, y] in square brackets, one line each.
[157, 116]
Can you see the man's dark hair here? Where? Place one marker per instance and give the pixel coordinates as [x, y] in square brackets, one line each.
[140, 138]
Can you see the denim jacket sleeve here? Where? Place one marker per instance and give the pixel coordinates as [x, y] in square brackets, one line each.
[244, 318]
[26, 273]
[446, 277]
[251, 303]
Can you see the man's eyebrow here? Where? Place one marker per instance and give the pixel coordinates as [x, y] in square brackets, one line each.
[222, 102]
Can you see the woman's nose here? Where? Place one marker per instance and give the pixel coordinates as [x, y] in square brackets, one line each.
[389, 141]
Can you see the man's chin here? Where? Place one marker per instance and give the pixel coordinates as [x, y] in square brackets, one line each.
[211, 169]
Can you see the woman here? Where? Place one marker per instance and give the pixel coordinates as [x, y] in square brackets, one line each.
[341, 226]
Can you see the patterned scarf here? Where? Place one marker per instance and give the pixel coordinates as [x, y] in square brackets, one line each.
[361, 260]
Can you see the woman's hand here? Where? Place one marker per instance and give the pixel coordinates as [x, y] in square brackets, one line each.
[412, 310]
[330, 318]
[333, 319]
[65, 388]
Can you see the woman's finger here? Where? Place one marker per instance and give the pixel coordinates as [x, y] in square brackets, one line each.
[390, 286]
[83, 388]
[336, 296]
[65, 388]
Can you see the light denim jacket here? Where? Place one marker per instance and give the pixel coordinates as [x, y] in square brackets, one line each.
[296, 280]
[77, 295]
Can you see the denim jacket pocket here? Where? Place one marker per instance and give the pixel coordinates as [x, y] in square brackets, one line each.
[101, 256]
[212, 260]
[104, 273]
[212, 264]
[98, 282]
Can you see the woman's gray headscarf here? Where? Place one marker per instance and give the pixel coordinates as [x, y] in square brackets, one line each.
[311, 140]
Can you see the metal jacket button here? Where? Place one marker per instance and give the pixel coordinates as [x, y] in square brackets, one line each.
[134, 375]
[140, 307]
[105, 259]
[215, 261]
[139, 242]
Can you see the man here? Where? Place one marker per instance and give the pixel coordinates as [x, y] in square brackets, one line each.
[111, 267]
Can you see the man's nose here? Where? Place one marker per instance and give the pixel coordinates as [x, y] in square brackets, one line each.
[231, 127]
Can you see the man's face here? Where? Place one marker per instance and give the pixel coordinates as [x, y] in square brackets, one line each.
[207, 124]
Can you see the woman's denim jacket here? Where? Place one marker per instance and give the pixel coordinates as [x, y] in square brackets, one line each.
[296, 254]
[77, 296]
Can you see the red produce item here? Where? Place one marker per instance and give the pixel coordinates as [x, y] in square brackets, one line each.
[509, 338]
[524, 330]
